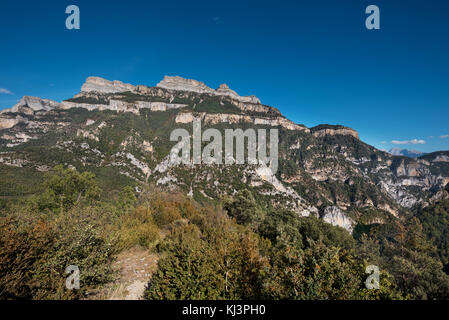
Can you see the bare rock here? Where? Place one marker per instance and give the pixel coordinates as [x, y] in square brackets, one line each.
[100, 85]
[29, 105]
[336, 217]
[326, 130]
[181, 84]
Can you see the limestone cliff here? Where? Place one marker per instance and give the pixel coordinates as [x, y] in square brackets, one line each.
[330, 130]
[181, 84]
[100, 85]
[187, 117]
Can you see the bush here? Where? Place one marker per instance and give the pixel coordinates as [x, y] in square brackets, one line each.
[138, 228]
[65, 188]
[164, 213]
[213, 258]
[36, 249]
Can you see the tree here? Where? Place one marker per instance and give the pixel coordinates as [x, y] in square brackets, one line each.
[244, 208]
[65, 188]
[413, 262]
[127, 199]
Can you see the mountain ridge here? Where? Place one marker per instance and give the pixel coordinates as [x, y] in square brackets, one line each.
[406, 152]
[123, 136]
[95, 86]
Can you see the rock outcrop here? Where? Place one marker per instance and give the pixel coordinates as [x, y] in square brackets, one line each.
[7, 123]
[441, 158]
[28, 105]
[181, 84]
[187, 117]
[103, 86]
[100, 85]
[336, 217]
[123, 106]
[325, 130]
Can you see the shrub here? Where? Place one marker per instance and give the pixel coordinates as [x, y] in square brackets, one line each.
[164, 213]
[35, 250]
[138, 228]
[65, 188]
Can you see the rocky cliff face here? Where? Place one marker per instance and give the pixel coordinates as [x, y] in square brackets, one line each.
[170, 88]
[27, 106]
[6, 123]
[328, 130]
[103, 86]
[181, 84]
[336, 217]
[100, 85]
[187, 117]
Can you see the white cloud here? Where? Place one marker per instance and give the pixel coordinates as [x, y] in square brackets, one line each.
[383, 142]
[413, 141]
[5, 91]
[444, 136]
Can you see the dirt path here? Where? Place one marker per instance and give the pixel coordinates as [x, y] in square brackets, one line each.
[135, 267]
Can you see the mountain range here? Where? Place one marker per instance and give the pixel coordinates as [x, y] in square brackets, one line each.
[121, 132]
[406, 152]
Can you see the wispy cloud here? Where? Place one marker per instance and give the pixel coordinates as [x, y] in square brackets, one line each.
[444, 136]
[5, 91]
[413, 141]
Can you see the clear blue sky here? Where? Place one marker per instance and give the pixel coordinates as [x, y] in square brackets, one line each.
[314, 60]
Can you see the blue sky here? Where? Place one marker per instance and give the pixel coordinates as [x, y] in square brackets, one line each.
[313, 60]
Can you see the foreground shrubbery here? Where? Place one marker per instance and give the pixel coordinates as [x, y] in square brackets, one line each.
[242, 250]
[213, 257]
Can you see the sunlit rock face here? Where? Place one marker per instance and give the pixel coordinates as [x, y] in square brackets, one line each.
[100, 85]
[181, 84]
[28, 105]
[6, 123]
[337, 131]
[336, 217]
[187, 117]
[103, 86]
[178, 83]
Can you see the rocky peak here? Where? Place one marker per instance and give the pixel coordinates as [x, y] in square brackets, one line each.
[179, 83]
[224, 90]
[100, 85]
[103, 86]
[29, 105]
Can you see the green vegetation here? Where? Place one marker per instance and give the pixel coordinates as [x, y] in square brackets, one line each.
[327, 126]
[65, 188]
[133, 97]
[435, 224]
[90, 100]
[243, 249]
[216, 105]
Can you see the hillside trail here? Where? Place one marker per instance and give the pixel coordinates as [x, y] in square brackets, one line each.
[135, 267]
